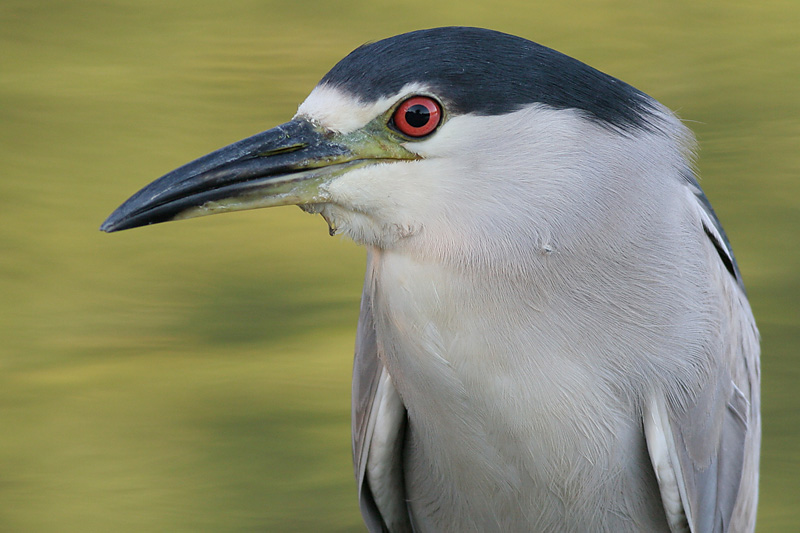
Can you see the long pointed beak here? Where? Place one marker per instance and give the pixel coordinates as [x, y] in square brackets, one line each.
[282, 166]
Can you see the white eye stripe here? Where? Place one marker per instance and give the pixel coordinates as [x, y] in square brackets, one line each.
[340, 111]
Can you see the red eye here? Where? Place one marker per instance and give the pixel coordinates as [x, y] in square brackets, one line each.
[418, 116]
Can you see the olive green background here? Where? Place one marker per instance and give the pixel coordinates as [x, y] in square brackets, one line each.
[194, 376]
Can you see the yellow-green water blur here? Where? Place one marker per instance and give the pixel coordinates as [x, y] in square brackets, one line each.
[194, 376]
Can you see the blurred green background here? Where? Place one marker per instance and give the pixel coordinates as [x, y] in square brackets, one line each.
[194, 376]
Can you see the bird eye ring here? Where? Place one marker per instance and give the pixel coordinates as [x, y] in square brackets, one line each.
[417, 117]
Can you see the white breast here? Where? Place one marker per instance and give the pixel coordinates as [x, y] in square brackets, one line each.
[500, 431]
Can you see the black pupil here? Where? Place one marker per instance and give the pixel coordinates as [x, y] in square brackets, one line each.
[417, 115]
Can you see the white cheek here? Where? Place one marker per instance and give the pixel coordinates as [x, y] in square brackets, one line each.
[387, 197]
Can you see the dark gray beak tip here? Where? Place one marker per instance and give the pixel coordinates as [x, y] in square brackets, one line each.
[128, 216]
[107, 228]
[110, 225]
[121, 219]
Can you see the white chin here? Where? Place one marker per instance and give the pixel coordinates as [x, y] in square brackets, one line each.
[360, 227]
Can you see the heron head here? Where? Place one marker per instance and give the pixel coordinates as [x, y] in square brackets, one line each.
[436, 139]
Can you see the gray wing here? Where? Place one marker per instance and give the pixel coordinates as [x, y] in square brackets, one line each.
[706, 457]
[378, 427]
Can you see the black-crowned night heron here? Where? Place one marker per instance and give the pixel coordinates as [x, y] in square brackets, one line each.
[554, 335]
